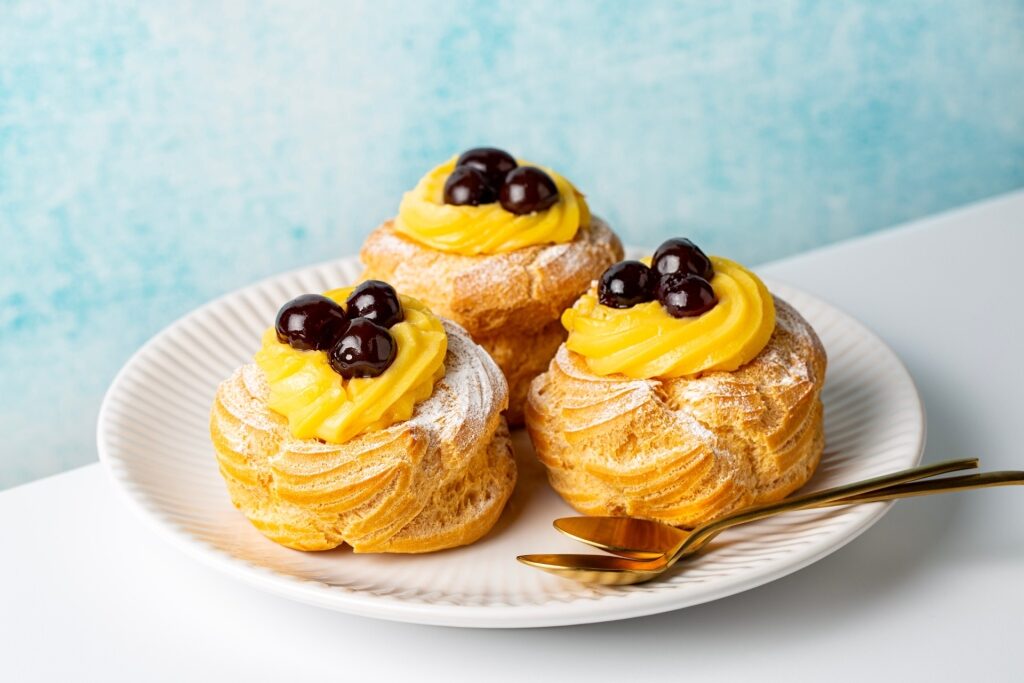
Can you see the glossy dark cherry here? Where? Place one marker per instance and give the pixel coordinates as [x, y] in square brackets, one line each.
[686, 295]
[625, 285]
[468, 186]
[366, 350]
[376, 301]
[526, 190]
[680, 255]
[310, 323]
[492, 162]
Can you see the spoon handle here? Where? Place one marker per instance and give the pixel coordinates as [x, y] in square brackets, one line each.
[699, 536]
[909, 490]
[935, 486]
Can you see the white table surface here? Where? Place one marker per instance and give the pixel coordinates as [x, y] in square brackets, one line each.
[935, 591]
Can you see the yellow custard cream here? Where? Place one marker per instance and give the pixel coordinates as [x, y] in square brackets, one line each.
[645, 341]
[319, 403]
[486, 229]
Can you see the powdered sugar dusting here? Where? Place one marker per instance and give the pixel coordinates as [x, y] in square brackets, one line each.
[490, 273]
[596, 407]
[472, 390]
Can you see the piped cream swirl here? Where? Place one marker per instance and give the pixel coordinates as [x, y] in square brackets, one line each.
[318, 402]
[645, 341]
[488, 228]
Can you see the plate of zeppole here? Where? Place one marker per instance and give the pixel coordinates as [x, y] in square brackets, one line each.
[384, 433]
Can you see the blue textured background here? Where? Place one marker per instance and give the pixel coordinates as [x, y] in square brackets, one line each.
[154, 156]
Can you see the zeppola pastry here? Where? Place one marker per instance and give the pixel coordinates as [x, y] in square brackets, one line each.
[500, 247]
[367, 420]
[684, 391]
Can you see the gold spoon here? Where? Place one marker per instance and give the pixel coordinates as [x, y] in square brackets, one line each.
[606, 569]
[640, 539]
[633, 538]
[643, 539]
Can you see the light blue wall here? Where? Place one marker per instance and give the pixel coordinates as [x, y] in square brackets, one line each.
[154, 155]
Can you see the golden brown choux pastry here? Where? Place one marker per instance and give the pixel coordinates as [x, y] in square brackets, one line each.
[437, 479]
[509, 300]
[686, 449]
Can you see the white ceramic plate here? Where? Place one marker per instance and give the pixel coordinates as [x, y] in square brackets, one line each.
[153, 437]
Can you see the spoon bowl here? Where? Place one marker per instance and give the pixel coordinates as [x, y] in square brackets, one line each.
[607, 570]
